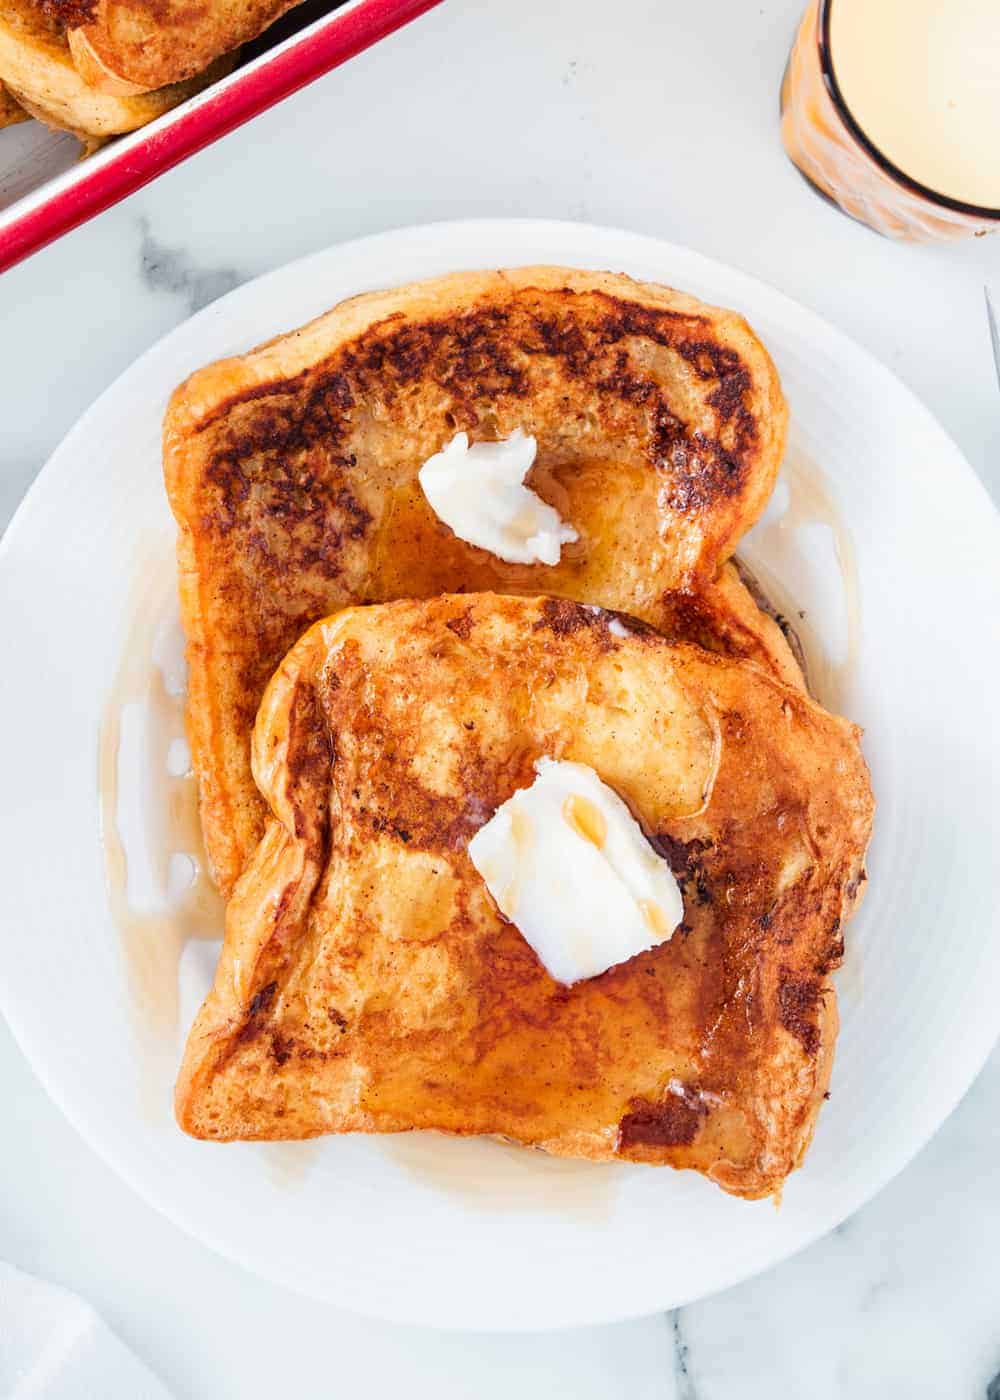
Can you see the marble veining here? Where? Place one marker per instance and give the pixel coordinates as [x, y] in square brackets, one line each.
[900, 1301]
[174, 270]
[684, 1386]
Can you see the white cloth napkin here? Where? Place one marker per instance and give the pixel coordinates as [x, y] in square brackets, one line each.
[54, 1346]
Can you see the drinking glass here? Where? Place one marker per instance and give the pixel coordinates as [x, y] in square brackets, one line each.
[827, 144]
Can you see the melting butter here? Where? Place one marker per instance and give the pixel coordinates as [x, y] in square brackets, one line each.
[570, 867]
[478, 491]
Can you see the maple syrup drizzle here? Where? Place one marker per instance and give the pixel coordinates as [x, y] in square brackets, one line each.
[656, 920]
[153, 932]
[153, 941]
[489, 1174]
[586, 819]
[810, 502]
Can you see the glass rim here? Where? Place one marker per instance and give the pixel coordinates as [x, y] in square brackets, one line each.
[959, 206]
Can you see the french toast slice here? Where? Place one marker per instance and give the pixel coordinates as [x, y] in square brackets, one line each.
[124, 48]
[37, 70]
[368, 982]
[292, 473]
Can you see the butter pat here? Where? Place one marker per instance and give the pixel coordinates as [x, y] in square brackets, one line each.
[479, 492]
[568, 864]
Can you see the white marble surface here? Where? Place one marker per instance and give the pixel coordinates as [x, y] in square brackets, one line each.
[662, 118]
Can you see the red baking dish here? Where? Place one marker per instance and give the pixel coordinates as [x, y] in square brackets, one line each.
[45, 190]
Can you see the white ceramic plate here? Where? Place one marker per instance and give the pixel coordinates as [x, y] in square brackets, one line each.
[472, 1233]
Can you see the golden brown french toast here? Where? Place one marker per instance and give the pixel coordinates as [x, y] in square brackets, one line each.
[11, 111]
[37, 69]
[292, 472]
[126, 46]
[369, 983]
